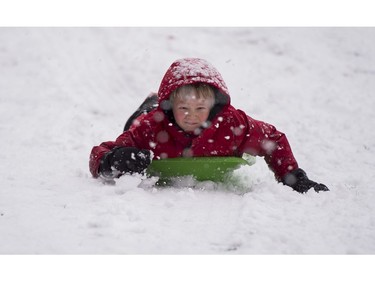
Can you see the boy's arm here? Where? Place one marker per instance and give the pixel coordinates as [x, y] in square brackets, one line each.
[135, 137]
[126, 139]
[97, 154]
[263, 139]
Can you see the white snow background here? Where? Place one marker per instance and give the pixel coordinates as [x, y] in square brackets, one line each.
[64, 90]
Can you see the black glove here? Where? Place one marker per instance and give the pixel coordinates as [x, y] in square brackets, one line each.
[299, 181]
[121, 160]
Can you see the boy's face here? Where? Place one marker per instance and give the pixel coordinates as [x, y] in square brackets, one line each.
[190, 112]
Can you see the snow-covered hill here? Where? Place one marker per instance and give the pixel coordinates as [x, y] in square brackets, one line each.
[64, 90]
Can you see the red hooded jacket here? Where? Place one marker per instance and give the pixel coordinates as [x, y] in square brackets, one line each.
[230, 131]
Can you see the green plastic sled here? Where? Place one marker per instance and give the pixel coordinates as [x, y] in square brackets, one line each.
[201, 168]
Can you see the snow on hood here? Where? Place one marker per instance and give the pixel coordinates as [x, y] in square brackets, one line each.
[189, 71]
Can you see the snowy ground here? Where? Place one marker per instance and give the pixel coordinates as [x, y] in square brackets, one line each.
[64, 90]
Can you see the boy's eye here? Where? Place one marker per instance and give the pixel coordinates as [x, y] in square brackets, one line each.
[201, 108]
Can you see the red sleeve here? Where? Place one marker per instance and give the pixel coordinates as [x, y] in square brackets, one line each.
[137, 136]
[126, 139]
[263, 139]
[97, 154]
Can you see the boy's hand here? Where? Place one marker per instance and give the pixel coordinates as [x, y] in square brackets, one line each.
[121, 160]
[299, 181]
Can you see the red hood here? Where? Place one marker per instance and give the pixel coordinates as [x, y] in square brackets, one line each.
[188, 71]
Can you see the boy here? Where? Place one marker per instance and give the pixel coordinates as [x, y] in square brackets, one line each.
[194, 117]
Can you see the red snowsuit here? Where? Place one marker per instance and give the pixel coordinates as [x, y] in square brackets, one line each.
[230, 131]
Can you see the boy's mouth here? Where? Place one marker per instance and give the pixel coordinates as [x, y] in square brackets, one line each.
[191, 124]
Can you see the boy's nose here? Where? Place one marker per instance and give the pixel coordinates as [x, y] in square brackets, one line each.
[190, 113]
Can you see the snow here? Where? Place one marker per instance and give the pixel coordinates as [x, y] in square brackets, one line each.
[64, 90]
